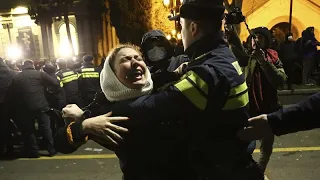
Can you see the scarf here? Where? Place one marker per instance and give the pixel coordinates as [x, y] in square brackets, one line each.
[114, 90]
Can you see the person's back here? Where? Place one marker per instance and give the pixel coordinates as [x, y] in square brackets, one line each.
[88, 80]
[29, 87]
[69, 80]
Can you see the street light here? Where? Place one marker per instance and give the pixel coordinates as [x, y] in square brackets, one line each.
[174, 6]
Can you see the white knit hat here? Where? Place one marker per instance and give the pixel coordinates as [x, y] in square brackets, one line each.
[114, 90]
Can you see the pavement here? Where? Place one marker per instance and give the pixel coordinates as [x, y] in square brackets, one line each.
[296, 157]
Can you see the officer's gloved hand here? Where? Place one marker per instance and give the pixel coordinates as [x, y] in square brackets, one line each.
[72, 111]
[179, 71]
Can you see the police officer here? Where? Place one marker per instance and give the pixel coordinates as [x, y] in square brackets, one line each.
[69, 81]
[89, 80]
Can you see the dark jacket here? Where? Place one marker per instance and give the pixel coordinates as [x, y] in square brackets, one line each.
[287, 51]
[89, 79]
[29, 88]
[6, 76]
[56, 97]
[299, 117]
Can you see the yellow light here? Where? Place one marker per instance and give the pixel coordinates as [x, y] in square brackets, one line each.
[14, 52]
[179, 36]
[166, 2]
[174, 32]
[168, 36]
[19, 10]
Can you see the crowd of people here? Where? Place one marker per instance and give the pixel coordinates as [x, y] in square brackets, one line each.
[166, 114]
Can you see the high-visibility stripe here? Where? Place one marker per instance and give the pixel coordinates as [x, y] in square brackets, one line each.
[87, 70]
[67, 73]
[199, 82]
[238, 89]
[237, 67]
[61, 84]
[238, 97]
[90, 75]
[194, 89]
[69, 78]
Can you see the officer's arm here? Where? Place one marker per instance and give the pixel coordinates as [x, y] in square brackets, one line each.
[299, 117]
[48, 80]
[187, 97]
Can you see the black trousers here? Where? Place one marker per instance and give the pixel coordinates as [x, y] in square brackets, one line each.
[6, 144]
[26, 124]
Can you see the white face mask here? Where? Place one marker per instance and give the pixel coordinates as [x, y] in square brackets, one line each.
[157, 53]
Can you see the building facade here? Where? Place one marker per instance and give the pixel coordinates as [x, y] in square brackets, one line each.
[274, 14]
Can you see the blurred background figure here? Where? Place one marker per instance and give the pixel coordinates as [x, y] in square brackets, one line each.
[288, 56]
[6, 76]
[88, 80]
[27, 94]
[69, 81]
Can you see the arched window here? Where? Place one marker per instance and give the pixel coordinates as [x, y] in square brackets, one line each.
[64, 47]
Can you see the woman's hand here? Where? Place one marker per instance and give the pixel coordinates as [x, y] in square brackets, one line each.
[102, 127]
[72, 111]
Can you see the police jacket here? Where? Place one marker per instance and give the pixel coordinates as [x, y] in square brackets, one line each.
[89, 79]
[69, 81]
[300, 117]
[28, 89]
[6, 76]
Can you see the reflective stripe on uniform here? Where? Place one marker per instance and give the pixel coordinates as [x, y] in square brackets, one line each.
[67, 73]
[69, 78]
[194, 89]
[61, 84]
[87, 70]
[89, 75]
[237, 67]
[238, 97]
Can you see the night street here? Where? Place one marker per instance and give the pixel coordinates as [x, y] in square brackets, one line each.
[295, 157]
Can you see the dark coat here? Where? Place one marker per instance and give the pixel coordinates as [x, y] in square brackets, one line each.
[29, 89]
[6, 76]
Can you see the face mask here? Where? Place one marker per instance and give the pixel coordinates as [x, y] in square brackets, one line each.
[157, 54]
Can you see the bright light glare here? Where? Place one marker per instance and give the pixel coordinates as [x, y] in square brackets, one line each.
[64, 49]
[174, 32]
[74, 59]
[20, 10]
[169, 37]
[14, 52]
[179, 36]
[166, 2]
